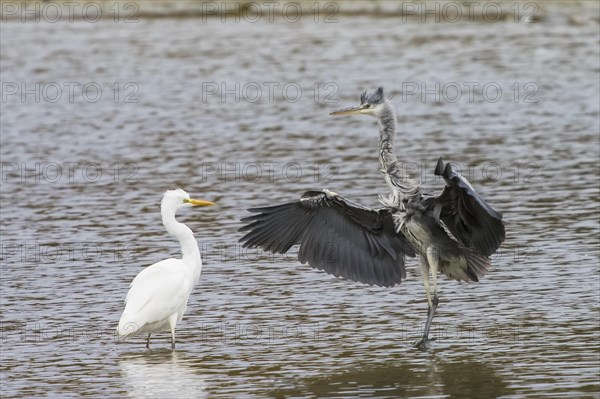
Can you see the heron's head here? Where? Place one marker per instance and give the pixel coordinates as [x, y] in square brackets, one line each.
[176, 199]
[370, 104]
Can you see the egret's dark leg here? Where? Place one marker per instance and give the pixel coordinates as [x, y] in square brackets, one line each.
[148, 342]
[173, 323]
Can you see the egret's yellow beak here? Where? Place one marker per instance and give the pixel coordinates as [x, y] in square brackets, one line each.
[349, 111]
[195, 202]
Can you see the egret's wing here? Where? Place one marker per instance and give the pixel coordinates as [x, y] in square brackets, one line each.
[156, 293]
[465, 214]
[335, 235]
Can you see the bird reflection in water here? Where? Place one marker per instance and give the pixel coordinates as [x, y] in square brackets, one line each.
[464, 379]
[161, 374]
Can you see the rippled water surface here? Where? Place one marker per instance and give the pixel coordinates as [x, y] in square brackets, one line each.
[261, 325]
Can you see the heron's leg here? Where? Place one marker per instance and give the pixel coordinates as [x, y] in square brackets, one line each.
[433, 262]
[424, 266]
[148, 341]
[422, 342]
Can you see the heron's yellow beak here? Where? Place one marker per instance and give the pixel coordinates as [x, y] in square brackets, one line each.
[349, 111]
[195, 202]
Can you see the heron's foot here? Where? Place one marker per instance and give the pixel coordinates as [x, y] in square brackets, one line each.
[423, 343]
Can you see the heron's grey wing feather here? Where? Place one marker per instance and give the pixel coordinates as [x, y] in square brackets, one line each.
[467, 266]
[335, 235]
[466, 214]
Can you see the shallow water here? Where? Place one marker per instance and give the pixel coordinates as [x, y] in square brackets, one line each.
[82, 180]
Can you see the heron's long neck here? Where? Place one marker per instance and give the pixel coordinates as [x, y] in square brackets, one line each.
[189, 245]
[402, 186]
[387, 134]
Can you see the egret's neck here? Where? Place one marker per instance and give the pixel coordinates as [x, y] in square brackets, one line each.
[387, 134]
[189, 245]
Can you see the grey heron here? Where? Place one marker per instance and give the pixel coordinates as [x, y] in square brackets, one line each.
[454, 232]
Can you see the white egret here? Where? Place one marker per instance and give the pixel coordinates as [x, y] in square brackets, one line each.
[158, 295]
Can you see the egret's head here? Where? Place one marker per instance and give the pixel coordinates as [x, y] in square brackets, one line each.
[176, 199]
[370, 104]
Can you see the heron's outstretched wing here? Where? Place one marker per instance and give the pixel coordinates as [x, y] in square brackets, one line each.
[335, 235]
[465, 214]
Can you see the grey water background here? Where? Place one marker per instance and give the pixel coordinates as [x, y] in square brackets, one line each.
[82, 179]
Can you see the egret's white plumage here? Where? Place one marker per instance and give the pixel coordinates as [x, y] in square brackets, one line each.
[158, 295]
